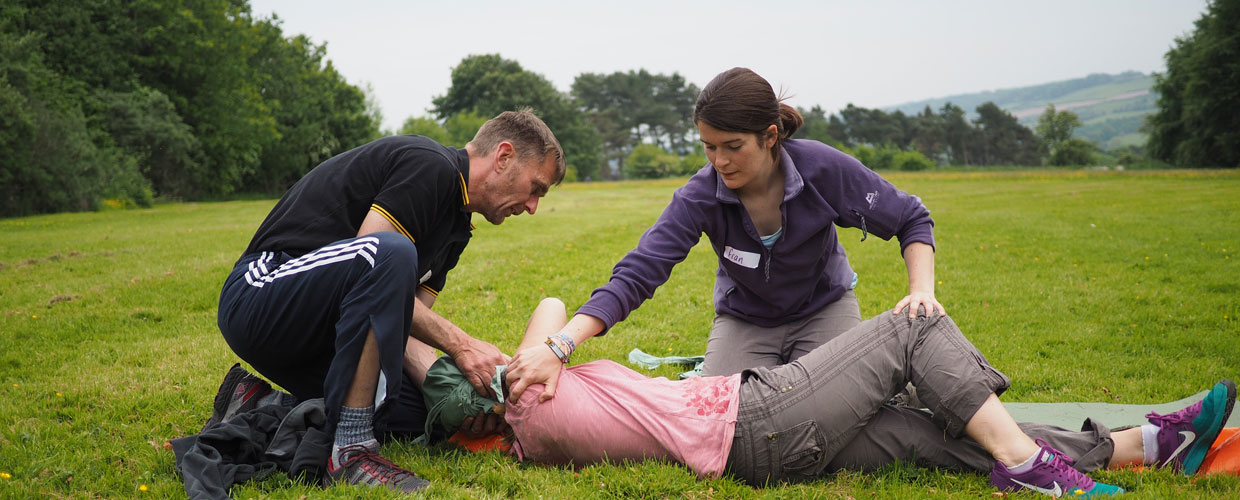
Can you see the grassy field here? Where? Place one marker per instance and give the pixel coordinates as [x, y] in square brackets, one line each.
[1081, 286]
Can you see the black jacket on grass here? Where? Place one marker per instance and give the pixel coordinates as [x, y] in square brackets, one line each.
[253, 445]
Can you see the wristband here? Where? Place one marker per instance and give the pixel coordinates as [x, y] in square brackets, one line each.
[568, 341]
[555, 348]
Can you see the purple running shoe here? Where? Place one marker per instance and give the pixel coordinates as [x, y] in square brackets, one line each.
[1184, 437]
[1052, 474]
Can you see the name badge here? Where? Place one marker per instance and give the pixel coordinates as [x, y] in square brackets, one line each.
[741, 258]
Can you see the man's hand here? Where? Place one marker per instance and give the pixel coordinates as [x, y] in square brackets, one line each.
[477, 360]
[533, 365]
[484, 424]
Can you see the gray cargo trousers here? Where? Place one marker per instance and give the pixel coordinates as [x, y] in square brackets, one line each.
[828, 410]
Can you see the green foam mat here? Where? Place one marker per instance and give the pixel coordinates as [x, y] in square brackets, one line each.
[1071, 415]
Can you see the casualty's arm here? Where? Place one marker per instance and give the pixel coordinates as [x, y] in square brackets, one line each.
[538, 364]
[418, 356]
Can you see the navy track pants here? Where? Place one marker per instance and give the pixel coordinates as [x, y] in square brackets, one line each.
[301, 322]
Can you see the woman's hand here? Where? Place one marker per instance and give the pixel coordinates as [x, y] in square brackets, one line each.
[919, 257]
[536, 364]
[923, 299]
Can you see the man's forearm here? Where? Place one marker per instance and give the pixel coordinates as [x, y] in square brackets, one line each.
[476, 359]
[436, 331]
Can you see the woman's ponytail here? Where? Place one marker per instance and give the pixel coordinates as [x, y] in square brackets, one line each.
[790, 120]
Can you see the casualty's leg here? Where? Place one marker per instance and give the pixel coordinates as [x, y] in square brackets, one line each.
[1128, 448]
[909, 435]
[814, 406]
[993, 428]
[1181, 440]
[840, 386]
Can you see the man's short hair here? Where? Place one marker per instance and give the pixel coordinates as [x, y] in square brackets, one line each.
[529, 136]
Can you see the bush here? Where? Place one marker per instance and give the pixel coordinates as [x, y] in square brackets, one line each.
[689, 164]
[648, 161]
[146, 126]
[1074, 151]
[424, 126]
[570, 174]
[866, 155]
[1127, 158]
[877, 158]
[913, 161]
[51, 159]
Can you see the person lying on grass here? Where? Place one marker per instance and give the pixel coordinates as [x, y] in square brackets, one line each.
[828, 411]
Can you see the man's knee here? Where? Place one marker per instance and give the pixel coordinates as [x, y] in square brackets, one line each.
[395, 249]
[396, 244]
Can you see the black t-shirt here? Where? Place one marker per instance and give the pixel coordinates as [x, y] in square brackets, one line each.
[414, 182]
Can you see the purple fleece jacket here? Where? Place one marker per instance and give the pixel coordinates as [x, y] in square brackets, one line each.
[805, 270]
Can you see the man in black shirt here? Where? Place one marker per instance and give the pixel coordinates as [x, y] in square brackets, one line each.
[346, 268]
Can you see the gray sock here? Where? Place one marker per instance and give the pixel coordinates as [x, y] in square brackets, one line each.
[356, 425]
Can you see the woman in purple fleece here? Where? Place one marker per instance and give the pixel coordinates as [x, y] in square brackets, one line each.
[770, 206]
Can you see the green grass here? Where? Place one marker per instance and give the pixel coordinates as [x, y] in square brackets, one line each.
[1082, 286]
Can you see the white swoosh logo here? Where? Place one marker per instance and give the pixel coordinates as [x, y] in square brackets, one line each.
[1189, 437]
[1055, 492]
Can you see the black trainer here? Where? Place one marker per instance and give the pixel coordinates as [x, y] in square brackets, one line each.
[240, 392]
[360, 464]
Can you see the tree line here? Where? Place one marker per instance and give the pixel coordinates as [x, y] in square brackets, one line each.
[946, 136]
[126, 99]
[638, 124]
[599, 122]
[1198, 118]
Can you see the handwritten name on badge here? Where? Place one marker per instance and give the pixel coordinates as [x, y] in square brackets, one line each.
[741, 258]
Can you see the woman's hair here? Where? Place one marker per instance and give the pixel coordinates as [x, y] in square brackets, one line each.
[738, 100]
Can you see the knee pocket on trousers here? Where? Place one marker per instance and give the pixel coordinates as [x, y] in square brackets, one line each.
[995, 380]
[799, 450]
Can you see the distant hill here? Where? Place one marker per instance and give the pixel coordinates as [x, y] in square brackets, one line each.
[1112, 107]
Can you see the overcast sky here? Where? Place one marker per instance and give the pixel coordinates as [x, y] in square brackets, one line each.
[830, 53]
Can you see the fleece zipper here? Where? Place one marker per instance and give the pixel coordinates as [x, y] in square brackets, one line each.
[768, 262]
